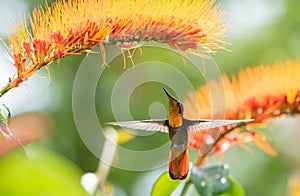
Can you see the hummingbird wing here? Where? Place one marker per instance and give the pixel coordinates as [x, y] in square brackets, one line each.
[202, 124]
[146, 125]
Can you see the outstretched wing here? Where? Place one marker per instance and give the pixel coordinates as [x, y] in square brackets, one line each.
[202, 124]
[146, 125]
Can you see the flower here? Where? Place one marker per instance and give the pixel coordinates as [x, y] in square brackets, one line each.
[260, 93]
[76, 26]
[22, 129]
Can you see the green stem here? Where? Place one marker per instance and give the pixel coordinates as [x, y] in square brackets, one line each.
[4, 90]
[35, 67]
[13, 83]
[185, 188]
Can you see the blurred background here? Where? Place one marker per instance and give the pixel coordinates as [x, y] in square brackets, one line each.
[261, 32]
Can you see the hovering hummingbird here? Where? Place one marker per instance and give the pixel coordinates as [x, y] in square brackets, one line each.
[178, 127]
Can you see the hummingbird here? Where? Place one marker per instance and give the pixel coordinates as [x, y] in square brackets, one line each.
[177, 126]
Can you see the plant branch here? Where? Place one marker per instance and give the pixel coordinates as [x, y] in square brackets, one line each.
[22, 77]
[202, 157]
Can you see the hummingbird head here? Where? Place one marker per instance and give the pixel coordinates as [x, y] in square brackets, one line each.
[175, 111]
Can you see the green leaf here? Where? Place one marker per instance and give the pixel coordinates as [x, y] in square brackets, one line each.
[214, 180]
[211, 180]
[8, 111]
[235, 188]
[2, 118]
[44, 173]
[164, 185]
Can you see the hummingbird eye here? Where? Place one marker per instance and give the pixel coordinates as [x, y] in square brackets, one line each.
[180, 106]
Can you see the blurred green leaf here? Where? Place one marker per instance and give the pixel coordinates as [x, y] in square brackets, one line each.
[211, 180]
[44, 173]
[235, 188]
[164, 185]
[214, 180]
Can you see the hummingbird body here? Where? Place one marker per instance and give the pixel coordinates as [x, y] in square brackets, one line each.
[179, 159]
[178, 134]
[178, 127]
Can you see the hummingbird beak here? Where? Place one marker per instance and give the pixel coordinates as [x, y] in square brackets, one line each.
[169, 96]
[175, 110]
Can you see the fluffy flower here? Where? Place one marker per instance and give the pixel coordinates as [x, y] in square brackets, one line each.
[76, 26]
[260, 93]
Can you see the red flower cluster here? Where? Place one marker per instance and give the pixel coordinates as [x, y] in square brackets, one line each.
[260, 93]
[77, 26]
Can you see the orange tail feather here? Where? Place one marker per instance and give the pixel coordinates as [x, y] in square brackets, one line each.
[179, 164]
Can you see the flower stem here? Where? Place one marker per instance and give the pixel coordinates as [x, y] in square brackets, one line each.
[201, 158]
[12, 84]
[22, 77]
[185, 188]
[4, 90]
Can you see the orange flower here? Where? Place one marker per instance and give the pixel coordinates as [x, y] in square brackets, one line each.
[76, 26]
[22, 129]
[258, 93]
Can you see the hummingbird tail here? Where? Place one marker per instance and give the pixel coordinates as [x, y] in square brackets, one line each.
[179, 164]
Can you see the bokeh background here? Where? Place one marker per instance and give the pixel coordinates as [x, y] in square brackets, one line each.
[261, 32]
